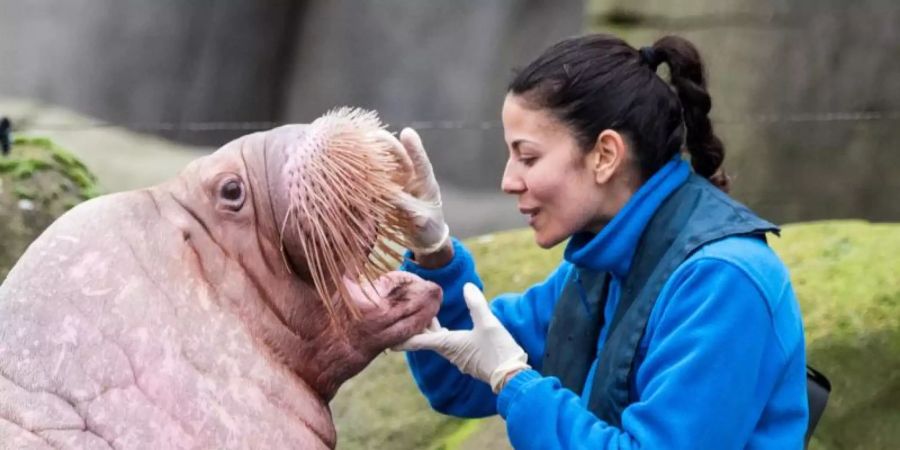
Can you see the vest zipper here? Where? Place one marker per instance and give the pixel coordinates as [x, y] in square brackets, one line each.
[582, 293]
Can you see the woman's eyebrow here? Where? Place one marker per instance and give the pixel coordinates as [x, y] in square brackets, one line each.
[516, 144]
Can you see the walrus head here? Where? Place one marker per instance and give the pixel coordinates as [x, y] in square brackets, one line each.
[297, 231]
[220, 309]
[330, 185]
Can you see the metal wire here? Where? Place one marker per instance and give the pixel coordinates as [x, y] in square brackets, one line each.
[750, 119]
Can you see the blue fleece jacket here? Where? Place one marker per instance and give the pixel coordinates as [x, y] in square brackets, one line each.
[720, 366]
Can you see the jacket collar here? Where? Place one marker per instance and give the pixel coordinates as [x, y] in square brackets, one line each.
[612, 249]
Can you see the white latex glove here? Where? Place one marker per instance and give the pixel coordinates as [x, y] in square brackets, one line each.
[421, 198]
[487, 352]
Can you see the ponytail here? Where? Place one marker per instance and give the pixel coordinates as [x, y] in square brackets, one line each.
[597, 82]
[689, 81]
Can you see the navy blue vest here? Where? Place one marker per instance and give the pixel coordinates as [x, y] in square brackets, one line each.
[694, 215]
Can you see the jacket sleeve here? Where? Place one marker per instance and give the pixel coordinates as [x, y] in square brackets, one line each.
[526, 316]
[711, 361]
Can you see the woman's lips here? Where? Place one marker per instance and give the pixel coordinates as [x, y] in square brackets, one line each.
[531, 213]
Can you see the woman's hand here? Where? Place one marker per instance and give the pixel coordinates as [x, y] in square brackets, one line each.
[487, 352]
[421, 199]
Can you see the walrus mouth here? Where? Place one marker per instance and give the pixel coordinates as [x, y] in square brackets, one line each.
[341, 178]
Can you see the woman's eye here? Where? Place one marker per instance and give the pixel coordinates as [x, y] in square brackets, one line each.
[527, 160]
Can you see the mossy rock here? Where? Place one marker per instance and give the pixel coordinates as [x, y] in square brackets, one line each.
[38, 183]
[846, 275]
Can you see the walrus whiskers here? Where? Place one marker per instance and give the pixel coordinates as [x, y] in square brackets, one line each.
[340, 183]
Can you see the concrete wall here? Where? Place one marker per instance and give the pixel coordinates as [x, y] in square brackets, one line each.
[145, 62]
[778, 71]
[139, 62]
[423, 62]
[777, 68]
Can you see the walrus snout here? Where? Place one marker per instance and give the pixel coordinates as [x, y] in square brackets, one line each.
[393, 308]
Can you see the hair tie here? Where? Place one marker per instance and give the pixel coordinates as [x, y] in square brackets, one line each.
[650, 57]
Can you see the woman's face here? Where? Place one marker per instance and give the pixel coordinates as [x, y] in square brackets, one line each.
[549, 174]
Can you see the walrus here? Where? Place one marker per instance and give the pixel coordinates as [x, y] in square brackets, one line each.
[220, 309]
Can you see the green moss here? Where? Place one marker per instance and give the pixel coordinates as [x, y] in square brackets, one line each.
[456, 439]
[24, 193]
[27, 167]
[845, 275]
[47, 175]
[77, 172]
[847, 278]
[510, 260]
[33, 155]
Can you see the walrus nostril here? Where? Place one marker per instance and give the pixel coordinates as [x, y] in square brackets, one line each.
[398, 292]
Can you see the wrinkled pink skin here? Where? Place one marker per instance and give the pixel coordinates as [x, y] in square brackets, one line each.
[161, 319]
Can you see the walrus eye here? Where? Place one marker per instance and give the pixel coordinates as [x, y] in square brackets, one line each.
[232, 194]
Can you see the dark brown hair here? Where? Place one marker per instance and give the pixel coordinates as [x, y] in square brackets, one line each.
[599, 82]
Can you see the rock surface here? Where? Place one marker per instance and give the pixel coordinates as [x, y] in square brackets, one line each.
[38, 183]
[806, 96]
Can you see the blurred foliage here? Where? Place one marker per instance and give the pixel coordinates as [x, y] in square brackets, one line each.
[38, 183]
[846, 275]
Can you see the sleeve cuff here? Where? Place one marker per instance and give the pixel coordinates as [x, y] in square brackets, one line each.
[461, 262]
[516, 386]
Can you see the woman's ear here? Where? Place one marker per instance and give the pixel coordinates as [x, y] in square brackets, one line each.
[608, 155]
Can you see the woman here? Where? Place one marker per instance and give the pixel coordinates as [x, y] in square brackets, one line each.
[670, 323]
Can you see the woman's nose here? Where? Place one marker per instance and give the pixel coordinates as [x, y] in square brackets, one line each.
[511, 183]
